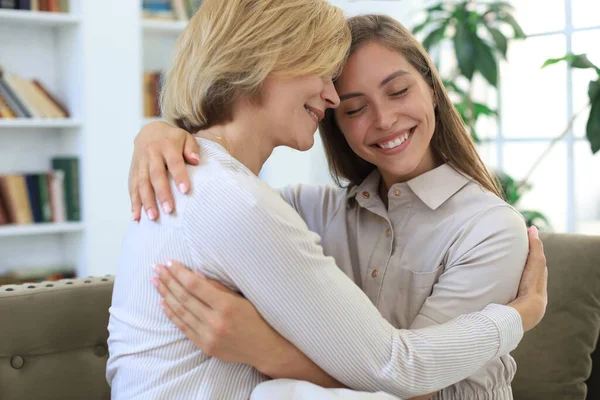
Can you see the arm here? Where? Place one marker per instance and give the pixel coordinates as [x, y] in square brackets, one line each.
[280, 268]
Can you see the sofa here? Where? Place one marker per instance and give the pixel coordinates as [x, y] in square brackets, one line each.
[53, 334]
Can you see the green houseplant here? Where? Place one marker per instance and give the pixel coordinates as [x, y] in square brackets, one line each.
[479, 33]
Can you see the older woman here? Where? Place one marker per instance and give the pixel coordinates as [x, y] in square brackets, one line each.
[250, 76]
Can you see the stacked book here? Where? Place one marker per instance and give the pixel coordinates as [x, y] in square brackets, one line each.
[36, 5]
[46, 197]
[37, 274]
[170, 10]
[152, 84]
[27, 98]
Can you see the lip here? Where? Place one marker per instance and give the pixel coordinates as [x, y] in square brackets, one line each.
[398, 149]
[320, 114]
[392, 136]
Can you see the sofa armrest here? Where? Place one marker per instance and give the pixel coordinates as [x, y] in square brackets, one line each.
[53, 339]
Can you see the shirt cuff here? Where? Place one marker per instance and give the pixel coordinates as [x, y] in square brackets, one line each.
[509, 324]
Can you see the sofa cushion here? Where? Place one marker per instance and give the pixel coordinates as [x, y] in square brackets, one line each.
[53, 339]
[554, 359]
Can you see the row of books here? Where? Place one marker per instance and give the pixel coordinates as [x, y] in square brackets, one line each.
[17, 276]
[46, 197]
[36, 5]
[170, 10]
[27, 98]
[151, 86]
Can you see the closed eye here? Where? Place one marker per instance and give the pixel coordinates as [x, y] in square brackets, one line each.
[400, 93]
[353, 112]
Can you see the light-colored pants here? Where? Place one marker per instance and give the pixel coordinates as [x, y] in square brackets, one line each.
[290, 389]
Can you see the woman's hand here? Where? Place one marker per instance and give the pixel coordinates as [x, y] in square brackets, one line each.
[158, 145]
[225, 325]
[532, 297]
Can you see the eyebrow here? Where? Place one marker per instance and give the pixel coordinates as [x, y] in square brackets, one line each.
[384, 82]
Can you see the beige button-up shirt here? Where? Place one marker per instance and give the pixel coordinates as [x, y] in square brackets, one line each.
[443, 247]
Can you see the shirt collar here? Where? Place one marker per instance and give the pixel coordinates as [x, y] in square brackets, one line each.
[434, 187]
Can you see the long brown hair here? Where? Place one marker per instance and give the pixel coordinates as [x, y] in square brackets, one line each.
[450, 142]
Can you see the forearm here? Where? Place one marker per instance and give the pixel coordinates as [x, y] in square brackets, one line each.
[289, 362]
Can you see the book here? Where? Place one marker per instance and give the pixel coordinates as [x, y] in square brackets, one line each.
[157, 9]
[44, 195]
[20, 93]
[33, 192]
[57, 196]
[3, 213]
[12, 100]
[13, 191]
[5, 110]
[180, 10]
[9, 4]
[70, 168]
[61, 109]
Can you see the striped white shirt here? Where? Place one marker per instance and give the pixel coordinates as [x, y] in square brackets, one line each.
[233, 227]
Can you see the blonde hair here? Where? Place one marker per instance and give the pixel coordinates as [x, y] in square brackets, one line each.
[450, 142]
[229, 47]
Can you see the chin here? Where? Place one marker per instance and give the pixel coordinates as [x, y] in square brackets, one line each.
[305, 145]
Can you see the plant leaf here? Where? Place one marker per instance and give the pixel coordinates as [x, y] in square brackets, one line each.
[437, 7]
[509, 19]
[482, 109]
[464, 49]
[434, 37]
[574, 60]
[485, 61]
[536, 218]
[594, 90]
[501, 5]
[499, 39]
[593, 125]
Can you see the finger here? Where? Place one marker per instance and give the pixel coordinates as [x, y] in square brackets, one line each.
[196, 283]
[170, 286]
[191, 150]
[136, 204]
[191, 331]
[219, 286]
[147, 193]
[159, 181]
[176, 166]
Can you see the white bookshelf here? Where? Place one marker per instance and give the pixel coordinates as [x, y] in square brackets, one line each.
[163, 27]
[34, 123]
[42, 19]
[40, 229]
[48, 47]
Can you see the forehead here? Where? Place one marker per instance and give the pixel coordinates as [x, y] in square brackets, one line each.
[370, 63]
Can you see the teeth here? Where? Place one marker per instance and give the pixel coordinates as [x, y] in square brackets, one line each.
[394, 143]
[312, 113]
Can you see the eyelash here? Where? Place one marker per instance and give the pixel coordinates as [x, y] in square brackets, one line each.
[396, 94]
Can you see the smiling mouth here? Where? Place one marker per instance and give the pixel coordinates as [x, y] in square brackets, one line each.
[396, 141]
[316, 115]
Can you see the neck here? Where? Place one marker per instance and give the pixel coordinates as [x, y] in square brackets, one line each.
[249, 147]
[388, 179]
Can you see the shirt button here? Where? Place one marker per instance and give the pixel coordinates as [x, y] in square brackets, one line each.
[388, 232]
[397, 192]
[375, 273]
[366, 195]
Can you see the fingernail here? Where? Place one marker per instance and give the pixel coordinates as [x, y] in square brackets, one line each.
[183, 188]
[166, 206]
[195, 156]
[169, 264]
[154, 282]
[151, 214]
[161, 304]
[534, 229]
[133, 216]
[156, 269]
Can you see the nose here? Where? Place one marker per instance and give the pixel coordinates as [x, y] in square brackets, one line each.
[329, 95]
[385, 117]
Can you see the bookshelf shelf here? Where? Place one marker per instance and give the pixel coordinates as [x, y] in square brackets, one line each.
[157, 26]
[37, 18]
[40, 229]
[57, 123]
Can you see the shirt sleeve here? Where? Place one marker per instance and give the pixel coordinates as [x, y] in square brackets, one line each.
[259, 245]
[484, 266]
[316, 204]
